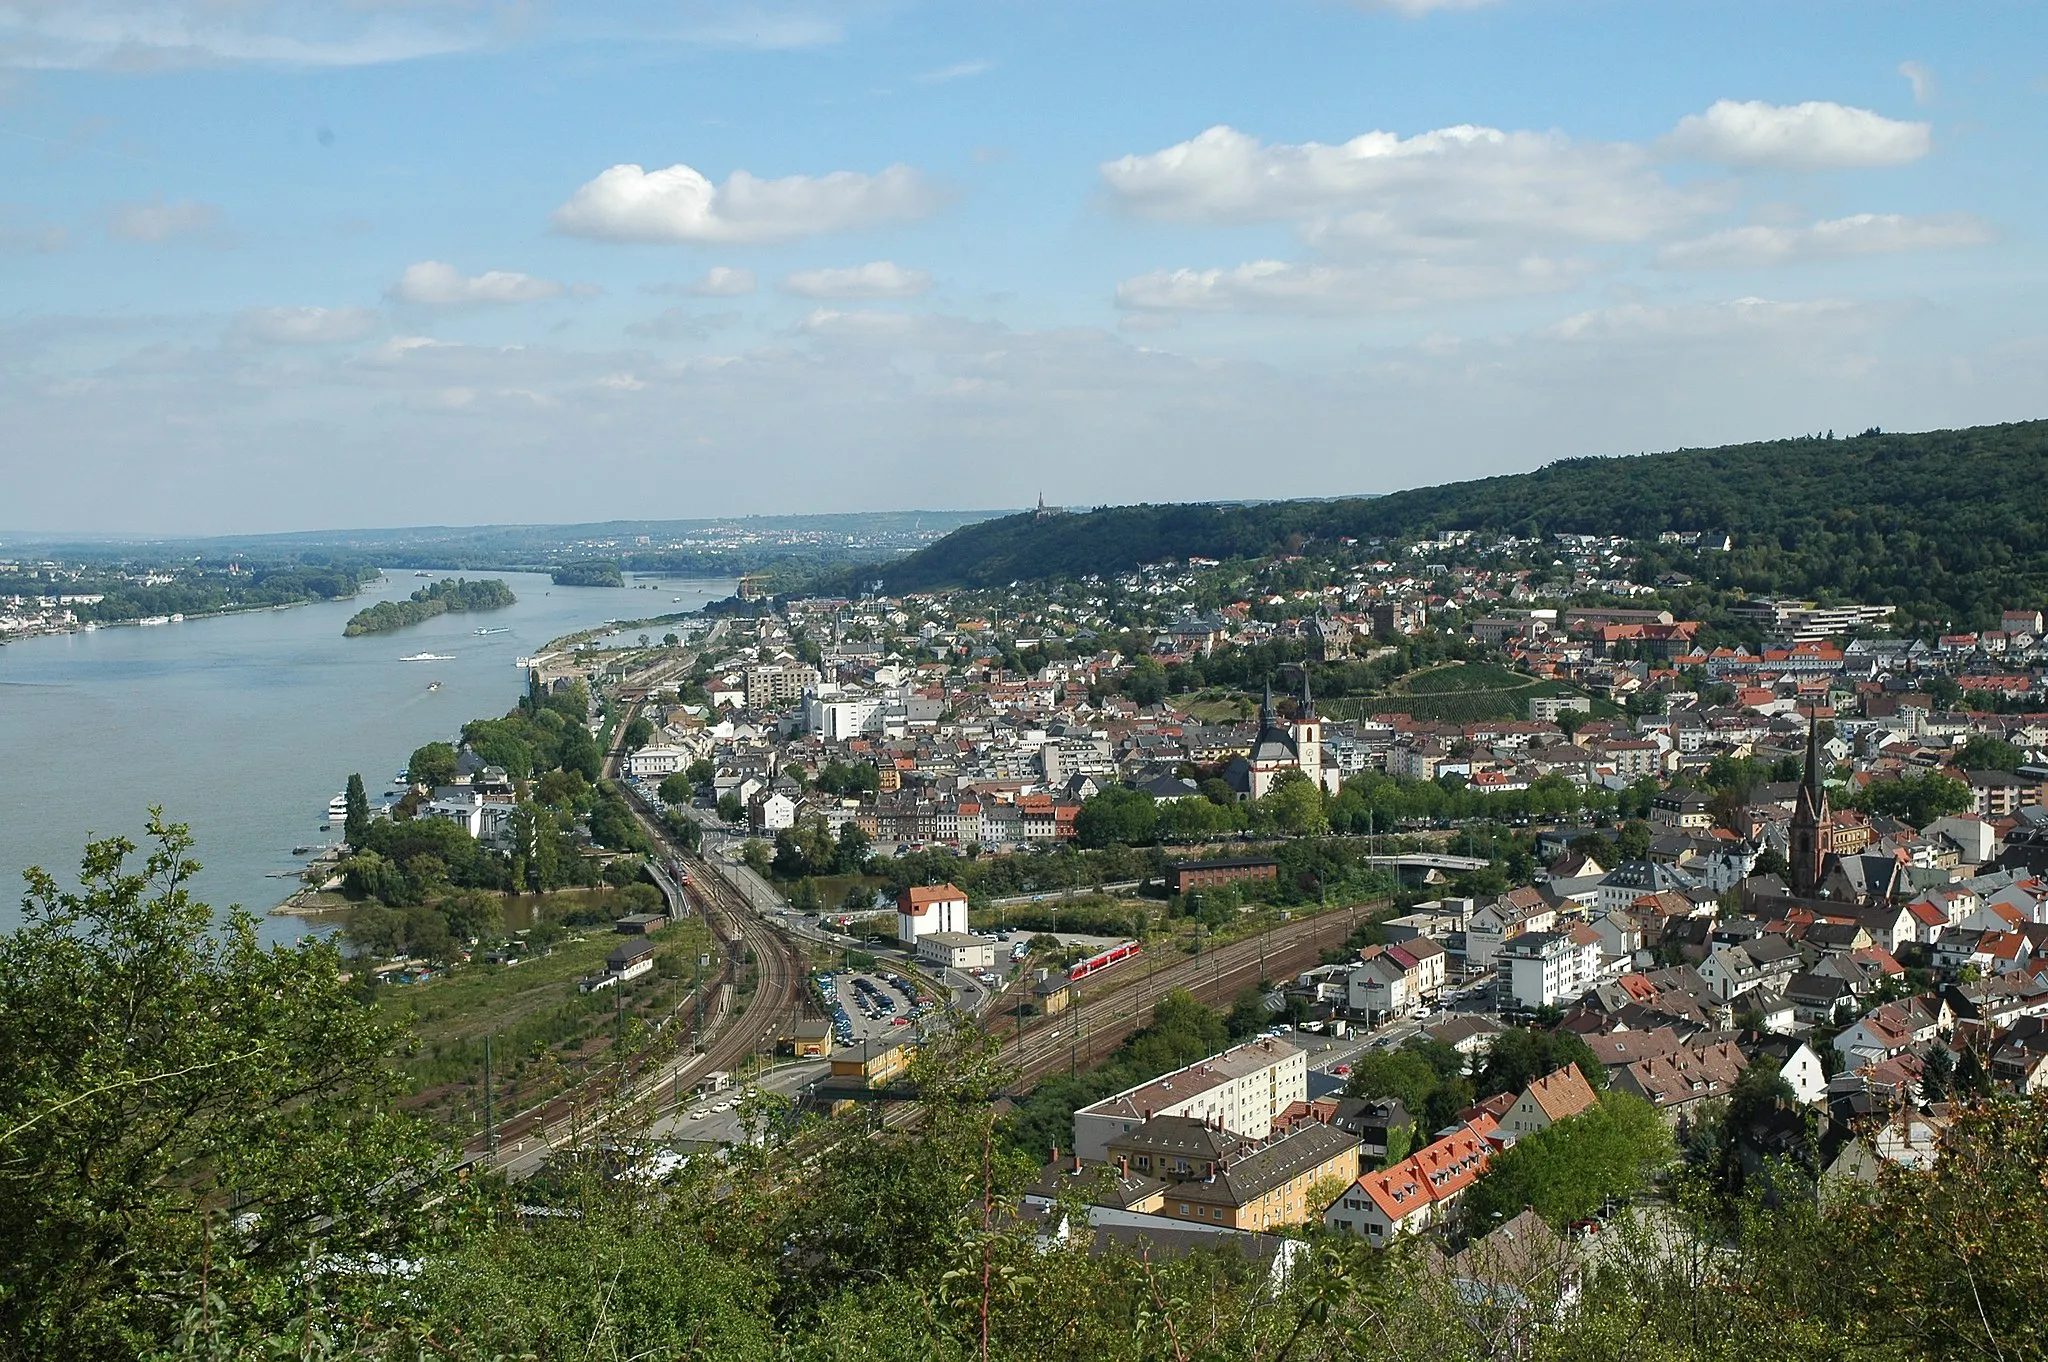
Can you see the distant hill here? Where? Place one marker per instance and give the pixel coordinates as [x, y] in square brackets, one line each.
[1949, 525]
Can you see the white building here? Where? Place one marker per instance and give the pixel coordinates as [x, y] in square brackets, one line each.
[1548, 969]
[657, 761]
[956, 950]
[1241, 1090]
[924, 909]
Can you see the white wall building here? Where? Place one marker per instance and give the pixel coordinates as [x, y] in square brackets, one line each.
[923, 909]
[1242, 1090]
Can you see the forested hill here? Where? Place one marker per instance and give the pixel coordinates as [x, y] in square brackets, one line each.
[1946, 524]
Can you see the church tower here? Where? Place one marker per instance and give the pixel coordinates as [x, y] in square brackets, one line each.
[1809, 818]
[1308, 735]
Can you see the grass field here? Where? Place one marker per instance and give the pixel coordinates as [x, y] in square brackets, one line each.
[543, 1029]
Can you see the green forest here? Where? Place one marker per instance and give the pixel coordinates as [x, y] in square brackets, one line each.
[206, 1154]
[449, 595]
[1951, 526]
[207, 587]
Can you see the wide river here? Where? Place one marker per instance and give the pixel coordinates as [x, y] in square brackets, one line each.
[244, 726]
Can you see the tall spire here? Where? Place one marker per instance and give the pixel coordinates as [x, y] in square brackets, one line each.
[1812, 783]
[1308, 703]
[1266, 706]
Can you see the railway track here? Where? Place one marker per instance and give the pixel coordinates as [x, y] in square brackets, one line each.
[1091, 1028]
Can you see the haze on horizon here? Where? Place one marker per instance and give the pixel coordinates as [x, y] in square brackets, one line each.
[305, 264]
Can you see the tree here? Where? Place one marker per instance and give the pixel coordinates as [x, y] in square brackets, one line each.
[356, 821]
[1402, 1074]
[1632, 842]
[757, 856]
[702, 771]
[1771, 861]
[1145, 682]
[1566, 1171]
[178, 1100]
[670, 640]
[1521, 1055]
[676, 788]
[433, 765]
[729, 808]
[1986, 753]
[1117, 816]
[853, 852]
[638, 733]
[1294, 806]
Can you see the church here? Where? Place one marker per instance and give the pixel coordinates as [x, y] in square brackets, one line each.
[1279, 748]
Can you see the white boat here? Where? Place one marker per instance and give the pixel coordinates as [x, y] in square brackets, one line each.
[154, 619]
[428, 657]
[337, 808]
[433, 685]
[486, 633]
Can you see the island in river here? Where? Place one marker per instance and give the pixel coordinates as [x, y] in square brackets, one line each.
[451, 594]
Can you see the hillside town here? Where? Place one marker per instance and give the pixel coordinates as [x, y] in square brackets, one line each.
[1810, 860]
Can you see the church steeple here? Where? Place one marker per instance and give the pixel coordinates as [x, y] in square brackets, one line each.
[1809, 817]
[1266, 706]
[1308, 704]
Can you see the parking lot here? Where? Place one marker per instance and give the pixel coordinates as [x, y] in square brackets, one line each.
[864, 1007]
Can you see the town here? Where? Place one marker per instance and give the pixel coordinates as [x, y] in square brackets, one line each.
[1769, 887]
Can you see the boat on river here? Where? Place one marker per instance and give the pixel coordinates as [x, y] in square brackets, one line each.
[428, 657]
[486, 633]
[433, 686]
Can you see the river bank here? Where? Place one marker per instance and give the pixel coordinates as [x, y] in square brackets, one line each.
[243, 726]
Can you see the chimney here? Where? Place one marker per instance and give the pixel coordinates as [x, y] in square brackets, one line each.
[1055, 1156]
[1123, 1165]
[1077, 1163]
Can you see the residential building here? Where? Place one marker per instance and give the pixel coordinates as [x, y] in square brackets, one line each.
[1241, 1090]
[1556, 1096]
[1421, 1190]
[956, 950]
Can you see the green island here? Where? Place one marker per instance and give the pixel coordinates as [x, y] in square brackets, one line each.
[448, 594]
[588, 572]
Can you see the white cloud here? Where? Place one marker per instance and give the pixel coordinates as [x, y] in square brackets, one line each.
[724, 281]
[1861, 234]
[1450, 186]
[1416, 8]
[627, 203]
[147, 35]
[1815, 135]
[435, 283]
[155, 221]
[153, 34]
[1633, 323]
[959, 70]
[308, 325]
[877, 279]
[1284, 286]
[1921, 79]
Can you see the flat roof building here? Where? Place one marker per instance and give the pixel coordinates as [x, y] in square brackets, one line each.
[1240, 1091]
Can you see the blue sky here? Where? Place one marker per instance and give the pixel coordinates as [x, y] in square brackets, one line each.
[274, 265]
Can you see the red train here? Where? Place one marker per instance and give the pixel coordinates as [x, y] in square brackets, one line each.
[1103, 960]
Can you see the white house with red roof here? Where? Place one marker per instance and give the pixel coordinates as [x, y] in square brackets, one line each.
[924, 909]
[1419, 1191]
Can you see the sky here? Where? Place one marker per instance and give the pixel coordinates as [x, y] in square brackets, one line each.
[293, 264]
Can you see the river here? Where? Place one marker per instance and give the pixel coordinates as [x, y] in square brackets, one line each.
[244, 726]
